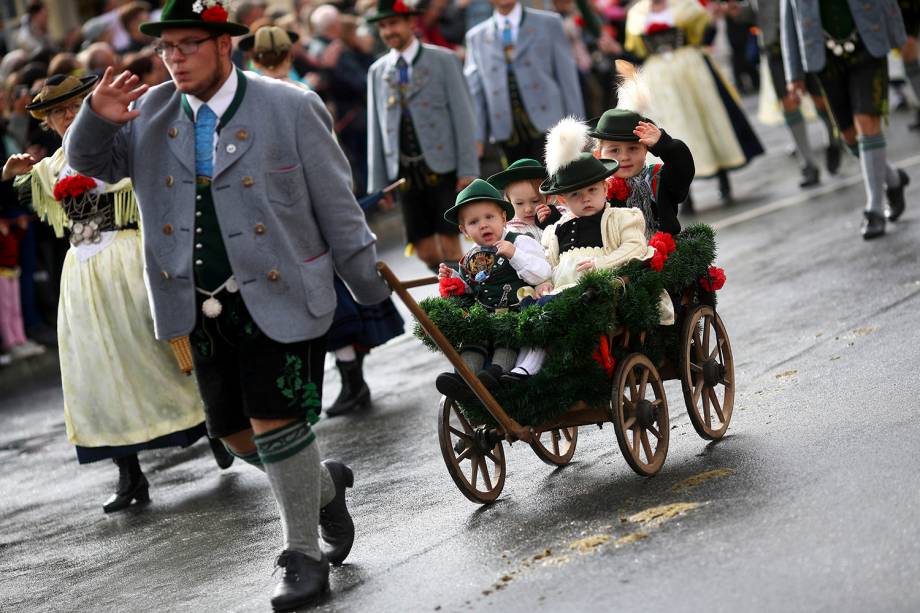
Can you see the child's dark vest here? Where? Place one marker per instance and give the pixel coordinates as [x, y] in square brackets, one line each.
[499, 288]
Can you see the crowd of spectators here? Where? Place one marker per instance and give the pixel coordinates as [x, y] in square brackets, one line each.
[334, 50]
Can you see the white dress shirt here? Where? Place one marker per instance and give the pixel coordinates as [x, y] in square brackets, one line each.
[407, 54]
[219, 102]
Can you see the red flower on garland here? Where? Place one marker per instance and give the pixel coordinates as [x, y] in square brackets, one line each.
[657, 27]
[215, 13]
[603, 357]
[617, 190]
[452, 286]
[664, 245]
[73, 186]
[714, 281]
[400, 7]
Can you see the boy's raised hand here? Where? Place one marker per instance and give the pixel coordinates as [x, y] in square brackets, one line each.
[505, 248]
[444, 271]
[648, 133]
[542, 212]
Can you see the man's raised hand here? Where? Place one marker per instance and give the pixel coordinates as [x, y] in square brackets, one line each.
[113, 96]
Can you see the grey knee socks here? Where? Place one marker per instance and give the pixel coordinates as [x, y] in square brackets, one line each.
[796, 124]
[474, 357]
[872, 160]
[327, 486]
[504, 358]
[291, 461]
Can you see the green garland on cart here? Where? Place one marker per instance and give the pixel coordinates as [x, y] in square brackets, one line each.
[572, 324]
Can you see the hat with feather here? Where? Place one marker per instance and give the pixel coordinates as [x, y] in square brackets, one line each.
[394, 8]
[569, 163]
[633, 100]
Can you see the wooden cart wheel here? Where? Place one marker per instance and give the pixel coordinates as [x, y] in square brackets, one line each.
[640, 414]
[556, 447]
[476, 467]
[707, 372]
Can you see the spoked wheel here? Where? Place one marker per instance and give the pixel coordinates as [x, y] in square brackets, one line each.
[640, 414]
[474, 456]
[707, 372]
[556, 447]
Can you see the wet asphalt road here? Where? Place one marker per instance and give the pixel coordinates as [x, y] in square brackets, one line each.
[811, 503]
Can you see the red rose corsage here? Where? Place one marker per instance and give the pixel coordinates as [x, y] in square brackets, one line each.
[73, 186]
[617, 190]
[714, 281]
[451, 286]
[216, 14]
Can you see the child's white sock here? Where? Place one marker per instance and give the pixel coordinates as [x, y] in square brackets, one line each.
[530, 361]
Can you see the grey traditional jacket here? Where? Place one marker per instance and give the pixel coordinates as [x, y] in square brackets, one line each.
[878, 22]
[441, 111]
[543, 65]
[282, 191]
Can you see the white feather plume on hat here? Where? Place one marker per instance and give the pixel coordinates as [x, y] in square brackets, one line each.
[633, 93]
[565, 141]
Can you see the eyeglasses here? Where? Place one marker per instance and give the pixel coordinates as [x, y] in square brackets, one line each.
[186, 47]
[61, 111]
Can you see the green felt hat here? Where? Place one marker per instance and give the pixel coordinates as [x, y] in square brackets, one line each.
[477, 191]
[521, 170]
[394, 8]
[585, 170]
[210, 15]
[617, 124]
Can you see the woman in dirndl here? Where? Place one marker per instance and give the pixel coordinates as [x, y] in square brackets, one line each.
[689, 95]
[123, 391]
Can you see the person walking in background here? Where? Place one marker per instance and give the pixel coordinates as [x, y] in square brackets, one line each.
[768, 24]
[245, 217]
[419, 128]
[13, 342]
[845, 43]
[522, 77]
[122, 390]
[689, 97]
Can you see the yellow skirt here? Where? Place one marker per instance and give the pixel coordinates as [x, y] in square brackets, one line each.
[121, 385]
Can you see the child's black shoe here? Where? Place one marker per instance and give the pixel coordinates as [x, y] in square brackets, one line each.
[453, 386]
[490, 377]
[514, 379]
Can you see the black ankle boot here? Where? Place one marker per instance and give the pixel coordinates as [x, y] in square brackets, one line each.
[355, 394]
[132, 485]
[336, 524]
[223, 457]
[725, 188]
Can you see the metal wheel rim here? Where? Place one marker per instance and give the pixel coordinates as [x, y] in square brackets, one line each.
[709, 413]
[559, 447]
[469, 469]
[635, 440]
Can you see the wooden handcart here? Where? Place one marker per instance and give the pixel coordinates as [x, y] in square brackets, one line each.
[638, 407]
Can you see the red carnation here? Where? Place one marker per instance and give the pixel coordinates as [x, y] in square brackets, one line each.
[662, 241]
[617, 189]
[451, 286]
[215, 13]
[73, 187]
[714, 281]
[603, 357]
[658, 260]
[400, 7]
[657, 27]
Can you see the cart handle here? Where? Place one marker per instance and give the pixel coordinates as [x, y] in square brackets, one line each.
[511, 427]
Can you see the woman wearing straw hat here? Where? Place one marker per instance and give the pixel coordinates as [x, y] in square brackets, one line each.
[122, 390]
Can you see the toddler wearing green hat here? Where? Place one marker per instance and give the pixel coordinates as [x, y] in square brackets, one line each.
[492, 273]
[520, 184]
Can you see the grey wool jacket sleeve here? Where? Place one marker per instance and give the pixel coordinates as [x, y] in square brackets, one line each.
[339, 217]
[462, 119]
[789, 42]
[103, 152]
[377, 177]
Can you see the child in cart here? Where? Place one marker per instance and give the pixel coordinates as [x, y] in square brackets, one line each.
[501, 263]
[625, 135]
[593, 236]
[520, 185]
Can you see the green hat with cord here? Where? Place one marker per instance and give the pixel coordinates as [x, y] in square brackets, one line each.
[618, 125]
[210, 15]
[394, 8]
[522, 170]
[477, 191]
[583, 171]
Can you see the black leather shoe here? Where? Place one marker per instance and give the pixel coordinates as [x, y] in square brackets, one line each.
[302, 581]
[896, 202]
[832, 158]
[223, 457]
[490, 377]
[810, 177]
[725, 189]
[512, 379]
[453, 386]
[132, 485]
[873, 226]
[336, 525]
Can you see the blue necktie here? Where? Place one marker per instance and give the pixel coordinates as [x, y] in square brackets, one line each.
[507, 41]
[205, 124]
[403, 68]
